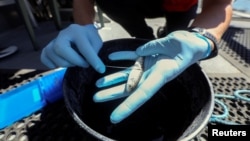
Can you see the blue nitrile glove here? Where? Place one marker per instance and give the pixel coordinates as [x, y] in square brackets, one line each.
[76, 45]
[165, 59]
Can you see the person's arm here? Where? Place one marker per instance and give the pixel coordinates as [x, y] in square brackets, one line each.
[83, 11]
[215, 17]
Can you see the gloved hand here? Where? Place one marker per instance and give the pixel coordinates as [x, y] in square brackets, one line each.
[76, 45]
[164, 59]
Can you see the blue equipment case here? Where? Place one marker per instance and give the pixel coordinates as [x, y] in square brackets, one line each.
[30, 97]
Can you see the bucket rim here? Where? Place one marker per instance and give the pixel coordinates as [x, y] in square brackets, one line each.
[188, 134]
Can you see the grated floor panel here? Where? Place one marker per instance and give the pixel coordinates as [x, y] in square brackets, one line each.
[235, 48]
[238, 109]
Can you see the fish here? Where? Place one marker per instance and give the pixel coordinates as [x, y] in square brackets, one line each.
[135, 75]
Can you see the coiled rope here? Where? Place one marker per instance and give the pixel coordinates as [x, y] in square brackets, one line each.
[237, 95]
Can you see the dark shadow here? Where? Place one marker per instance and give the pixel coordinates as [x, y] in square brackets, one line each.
[237, 39]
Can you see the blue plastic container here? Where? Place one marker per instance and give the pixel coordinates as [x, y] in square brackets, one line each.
[30, 97]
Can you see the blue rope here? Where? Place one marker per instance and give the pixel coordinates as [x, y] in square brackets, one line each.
[238, 95]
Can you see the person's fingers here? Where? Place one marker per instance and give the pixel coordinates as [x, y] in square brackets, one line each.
[110, 94]
[142, 94]
[54, 58]
[45, 60]
[123, 55]
[46, 53]
[86, 49]
[63, 48]
[159, 76]
[114, 78]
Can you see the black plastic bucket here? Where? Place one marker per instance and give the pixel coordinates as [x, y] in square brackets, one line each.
[179, 110]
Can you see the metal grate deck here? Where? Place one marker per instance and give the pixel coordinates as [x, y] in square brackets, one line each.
[235, 47]
[238, 110]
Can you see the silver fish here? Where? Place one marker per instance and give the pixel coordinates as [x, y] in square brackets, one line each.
[135, 75]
